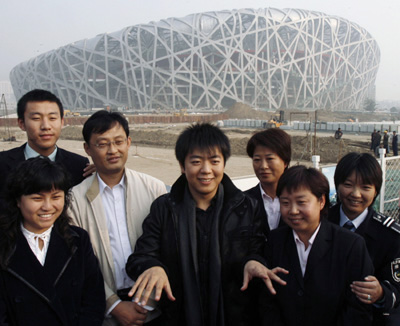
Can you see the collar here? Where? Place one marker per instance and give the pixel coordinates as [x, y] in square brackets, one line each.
[30, 235]
[29, 152]
[312, 238]
[103, 185]
[356, 222]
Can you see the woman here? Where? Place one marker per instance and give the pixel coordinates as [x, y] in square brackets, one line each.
[358, 180]
[270, 151]
[48, 272]
[322, 259]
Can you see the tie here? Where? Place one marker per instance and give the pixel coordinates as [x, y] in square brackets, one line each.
[349, 226]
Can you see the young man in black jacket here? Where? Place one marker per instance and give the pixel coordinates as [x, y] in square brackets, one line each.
[202, 242]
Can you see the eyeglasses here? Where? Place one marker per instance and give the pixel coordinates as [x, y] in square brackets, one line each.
[105, 145]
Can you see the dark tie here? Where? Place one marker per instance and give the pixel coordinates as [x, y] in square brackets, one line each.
[349, 226]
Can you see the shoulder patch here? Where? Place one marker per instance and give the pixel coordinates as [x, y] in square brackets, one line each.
[396, 269]
[387, 221]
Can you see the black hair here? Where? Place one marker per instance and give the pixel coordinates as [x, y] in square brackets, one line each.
[37, 95]
[275, 139]
[364, 165]
[297, 177]
[201, 136]
[101, 121]
[31, 176]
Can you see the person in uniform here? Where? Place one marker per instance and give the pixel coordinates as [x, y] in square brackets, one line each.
[358, 180]
[322, 259]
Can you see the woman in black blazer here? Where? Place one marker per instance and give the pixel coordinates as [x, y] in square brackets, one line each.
[322, 259]
[49, 274]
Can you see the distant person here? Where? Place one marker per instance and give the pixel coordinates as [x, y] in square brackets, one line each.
[41, 116]
[373, 135]
[338, 133]
[111, 206]
[377, 142]
[49, 274]
[386, 141]
[270, 151]
[395, 144]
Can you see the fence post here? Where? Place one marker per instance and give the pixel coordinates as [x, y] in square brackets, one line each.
[382, 159]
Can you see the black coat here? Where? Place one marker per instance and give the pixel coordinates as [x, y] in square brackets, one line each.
[67, 290]
[255, 193]
[383, 245]
[323, 295]
[10, 159]
[240, 239]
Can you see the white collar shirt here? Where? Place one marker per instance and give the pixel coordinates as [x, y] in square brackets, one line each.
[33, 241]
[113, 200]
[29, 152]
[302, 252]
[356, 222]
[272, 208]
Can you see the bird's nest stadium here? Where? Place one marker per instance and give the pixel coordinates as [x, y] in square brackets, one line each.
[266, 58]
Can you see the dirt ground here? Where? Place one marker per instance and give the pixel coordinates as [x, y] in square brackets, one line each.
[152, 149]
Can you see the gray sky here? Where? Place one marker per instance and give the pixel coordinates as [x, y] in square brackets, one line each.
[31, 27]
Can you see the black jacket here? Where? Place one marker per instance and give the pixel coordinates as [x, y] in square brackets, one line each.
[240, 239]
[322, 297]
[68, 290]
[383, 245]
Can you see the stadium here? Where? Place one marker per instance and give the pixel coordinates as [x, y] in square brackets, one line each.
[265, 58]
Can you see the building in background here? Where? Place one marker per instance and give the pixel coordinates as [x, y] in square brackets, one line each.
[7, 90]
[266, 58]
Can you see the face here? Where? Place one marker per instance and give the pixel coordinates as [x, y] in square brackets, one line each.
[301, 210]
[42, 123]
[204, 171]
[41, 210]
[355, 196]
[111, 152]
[267, 165]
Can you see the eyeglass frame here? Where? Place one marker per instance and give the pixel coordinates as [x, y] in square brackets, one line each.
[107, 145]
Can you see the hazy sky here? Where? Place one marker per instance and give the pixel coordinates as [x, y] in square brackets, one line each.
[31, 27]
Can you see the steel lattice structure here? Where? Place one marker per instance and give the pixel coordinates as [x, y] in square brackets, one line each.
[267, 58]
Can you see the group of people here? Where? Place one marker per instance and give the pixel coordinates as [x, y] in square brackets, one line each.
[387, 139]
[100, 244]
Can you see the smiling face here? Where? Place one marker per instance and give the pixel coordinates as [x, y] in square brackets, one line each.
[42, 123]
[268, 166]
[204, 170]
[301, 210]
[41, 210]
[109, 150]
[355, 196]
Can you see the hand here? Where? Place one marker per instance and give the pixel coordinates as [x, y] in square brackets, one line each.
[88, 170]
[370, 288]
[150, 278]
[129, 313]
[255, 269]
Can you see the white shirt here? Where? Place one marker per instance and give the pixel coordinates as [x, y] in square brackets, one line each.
[272, 208]
[33, 241]
[356, 222]
[29, 152]
[115, 210]
[302, 252]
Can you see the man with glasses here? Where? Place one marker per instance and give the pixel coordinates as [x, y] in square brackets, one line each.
[111, 205]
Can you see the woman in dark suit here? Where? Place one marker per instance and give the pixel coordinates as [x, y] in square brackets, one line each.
[49, 274]
[358, 181]
[270, 151]
[322, 259]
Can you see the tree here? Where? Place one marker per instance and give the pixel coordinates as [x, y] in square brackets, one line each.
[369, 105]
[394, 109]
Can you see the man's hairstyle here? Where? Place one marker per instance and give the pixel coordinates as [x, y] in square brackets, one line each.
[298, 177]
[366, 167]
[37, 95]
[275, 139]
[201, 136]
[101, 121]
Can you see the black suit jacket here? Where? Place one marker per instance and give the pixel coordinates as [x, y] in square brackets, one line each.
[255, 193]
[323, 296]
[10, 159]
[384, 249]
[68, 290]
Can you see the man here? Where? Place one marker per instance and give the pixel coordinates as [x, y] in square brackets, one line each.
[395, 144]
[41, 116]
[386, 141]
[373, 134]
[111, 205]
[377, 144]
[338, 133]
[200, 239]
